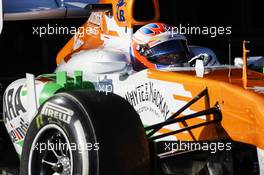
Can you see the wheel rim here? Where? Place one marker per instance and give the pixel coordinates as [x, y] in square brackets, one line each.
[50, 152]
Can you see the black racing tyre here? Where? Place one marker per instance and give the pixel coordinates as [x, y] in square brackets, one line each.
[85, 133]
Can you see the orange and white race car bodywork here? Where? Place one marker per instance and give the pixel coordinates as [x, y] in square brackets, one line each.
[105, 27]
[241, 107]
[102, 54]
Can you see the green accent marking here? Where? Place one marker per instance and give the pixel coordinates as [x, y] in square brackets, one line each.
[263, 70]
[20, 143]
[147, 132]
[49, 90]
[24, 93]
[78, 79]
[61, 78]
[63, 83]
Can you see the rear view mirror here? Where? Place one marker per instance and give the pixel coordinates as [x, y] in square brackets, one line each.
[199, 68]
[144, 12]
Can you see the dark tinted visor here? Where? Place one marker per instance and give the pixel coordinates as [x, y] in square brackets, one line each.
[169, 53]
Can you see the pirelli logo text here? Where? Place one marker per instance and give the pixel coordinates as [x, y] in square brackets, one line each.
[57, 112]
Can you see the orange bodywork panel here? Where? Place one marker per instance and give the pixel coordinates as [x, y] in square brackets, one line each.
[242, 109]
[93, 40]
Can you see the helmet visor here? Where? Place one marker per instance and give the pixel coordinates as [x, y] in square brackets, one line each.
[173, 52]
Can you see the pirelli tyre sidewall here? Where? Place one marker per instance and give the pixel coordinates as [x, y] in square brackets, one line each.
[105, 135]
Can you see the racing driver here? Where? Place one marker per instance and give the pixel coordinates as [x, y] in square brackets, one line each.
[156, 46]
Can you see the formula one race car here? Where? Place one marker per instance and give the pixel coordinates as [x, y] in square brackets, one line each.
[99, 114]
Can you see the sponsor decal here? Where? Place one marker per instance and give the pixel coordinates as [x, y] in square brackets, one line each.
[58, 112]
[77, 42]
[13, 106]
[96, 18]
[120, 13]
[147, 93]
[18, 133]
[39, 121]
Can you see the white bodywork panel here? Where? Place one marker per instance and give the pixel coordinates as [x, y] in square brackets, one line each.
[111, 72]
[96, 61]
[31, 95]
[17, 104]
